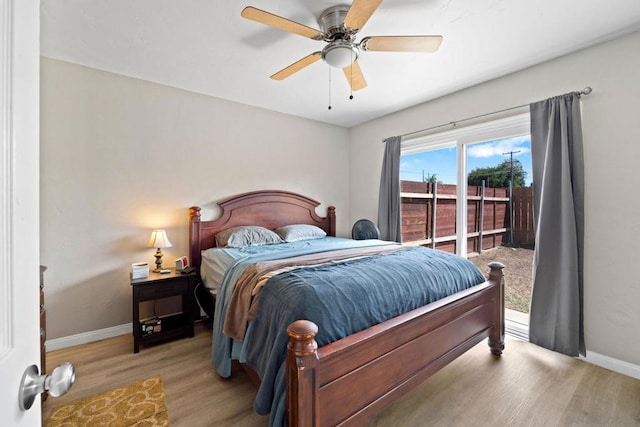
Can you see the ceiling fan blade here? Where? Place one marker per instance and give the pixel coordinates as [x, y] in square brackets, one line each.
[296, 66]
[401, 43]
[280, 23]
[360, 12]
[354, 76]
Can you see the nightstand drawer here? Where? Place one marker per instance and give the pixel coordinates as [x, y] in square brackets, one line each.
[162, 290]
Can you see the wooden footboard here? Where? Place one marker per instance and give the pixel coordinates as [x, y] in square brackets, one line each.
[351, 380]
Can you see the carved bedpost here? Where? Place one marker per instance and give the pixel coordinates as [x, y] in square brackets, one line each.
[331, 213]
[194, 236]
[496, 338]
[302, 362]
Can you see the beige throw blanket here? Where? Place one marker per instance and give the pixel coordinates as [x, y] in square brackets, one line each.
[246, 292]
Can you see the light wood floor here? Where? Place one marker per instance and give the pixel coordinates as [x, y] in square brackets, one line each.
[527, 386]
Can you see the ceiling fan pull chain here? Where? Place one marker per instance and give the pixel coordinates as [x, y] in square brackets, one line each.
[351, 78]
[329, 88]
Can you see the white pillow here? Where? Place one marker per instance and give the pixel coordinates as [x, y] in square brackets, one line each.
[249, 235]
[295, 232]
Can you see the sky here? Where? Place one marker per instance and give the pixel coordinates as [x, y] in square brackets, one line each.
[442, 162]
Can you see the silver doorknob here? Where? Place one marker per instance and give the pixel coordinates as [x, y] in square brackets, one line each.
[58, 383]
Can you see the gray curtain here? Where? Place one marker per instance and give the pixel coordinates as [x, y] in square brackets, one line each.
[389, 215]
[556, 317]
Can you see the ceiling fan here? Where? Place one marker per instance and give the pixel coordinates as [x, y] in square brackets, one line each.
[339, 26]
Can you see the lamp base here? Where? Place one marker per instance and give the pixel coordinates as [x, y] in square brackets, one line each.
[158, 256]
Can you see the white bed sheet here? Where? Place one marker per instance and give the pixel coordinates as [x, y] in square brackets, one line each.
[215, 262]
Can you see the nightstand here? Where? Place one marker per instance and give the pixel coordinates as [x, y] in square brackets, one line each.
[158, 286]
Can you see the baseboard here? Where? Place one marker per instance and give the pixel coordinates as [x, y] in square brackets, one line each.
[516, 326]
[612, 364]
[87, 337]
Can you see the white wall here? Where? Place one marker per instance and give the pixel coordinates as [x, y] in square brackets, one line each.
[611, 127]
[121, 156]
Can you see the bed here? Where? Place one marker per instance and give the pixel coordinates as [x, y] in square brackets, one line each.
[381, 362]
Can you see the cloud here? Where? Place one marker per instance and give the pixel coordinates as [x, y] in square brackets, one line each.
[498, 148]
[405, 165]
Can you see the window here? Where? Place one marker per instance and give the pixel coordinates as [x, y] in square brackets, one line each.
[457, 197]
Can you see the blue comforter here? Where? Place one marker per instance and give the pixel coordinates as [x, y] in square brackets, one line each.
[224, 349]
[341, 299]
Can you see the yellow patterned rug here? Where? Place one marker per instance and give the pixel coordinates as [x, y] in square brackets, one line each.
[137, 404]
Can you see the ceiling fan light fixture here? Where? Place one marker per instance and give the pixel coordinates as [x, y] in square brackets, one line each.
[339, 54]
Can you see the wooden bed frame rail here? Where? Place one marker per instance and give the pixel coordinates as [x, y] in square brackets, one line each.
[351, 380]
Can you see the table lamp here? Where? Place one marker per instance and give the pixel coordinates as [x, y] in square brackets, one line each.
[158, 240]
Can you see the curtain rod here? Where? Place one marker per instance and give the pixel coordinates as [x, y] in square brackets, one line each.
[586, 91]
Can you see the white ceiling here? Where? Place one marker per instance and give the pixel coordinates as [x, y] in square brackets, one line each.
[205, 46]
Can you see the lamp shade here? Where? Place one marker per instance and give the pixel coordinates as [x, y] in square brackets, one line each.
[159, 240]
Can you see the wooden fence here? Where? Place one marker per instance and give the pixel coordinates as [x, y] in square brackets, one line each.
[523, 231]
[429, 216]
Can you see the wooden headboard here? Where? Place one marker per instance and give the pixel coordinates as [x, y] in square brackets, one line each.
[268, 208]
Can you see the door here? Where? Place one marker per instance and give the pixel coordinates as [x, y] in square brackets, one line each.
[19, 206]
[441, 164]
